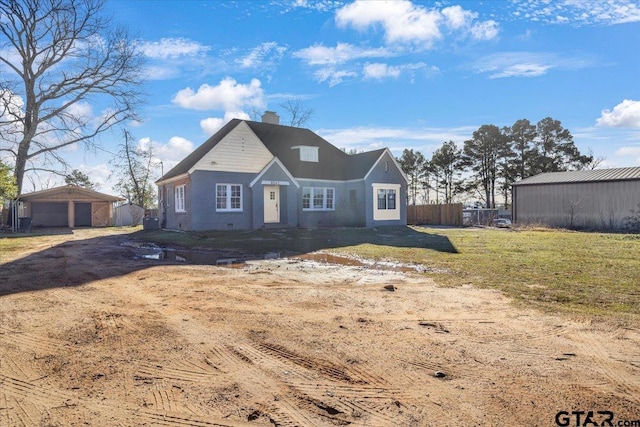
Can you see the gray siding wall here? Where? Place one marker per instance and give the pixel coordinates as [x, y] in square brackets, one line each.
[390, 174]
[348, 201]
[203, 204]
[592, 205]
[177, 220]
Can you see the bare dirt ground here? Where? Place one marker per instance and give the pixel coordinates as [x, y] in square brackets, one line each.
[90, 335]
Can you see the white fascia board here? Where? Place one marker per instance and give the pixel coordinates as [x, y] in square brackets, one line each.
[172, 179]
[387, 151]
[330, 180]
[266, 168]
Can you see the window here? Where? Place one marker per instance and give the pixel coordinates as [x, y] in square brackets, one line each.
[228, 197]
[307, 153]
[314, 198]
[386, 198]
[180, 195]
[385, 206]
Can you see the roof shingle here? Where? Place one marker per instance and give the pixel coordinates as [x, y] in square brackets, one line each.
[333, 163]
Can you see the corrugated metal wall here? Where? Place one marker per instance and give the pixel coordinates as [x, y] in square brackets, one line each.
[591, 205]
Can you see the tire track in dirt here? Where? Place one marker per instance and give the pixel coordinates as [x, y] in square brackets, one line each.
[181, 370]
[529, 335]
[343, 403]
[21, 413]
[158, 419]
[283, 411]
[614, 371]
[26, 402]
[327, 369]
[30, 342]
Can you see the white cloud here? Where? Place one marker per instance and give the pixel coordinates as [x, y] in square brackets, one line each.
[579, 12]
[380, 71]
[487, 30]
[633, 151]
[401, 20]
[625, 114]
[396, 139]
[81, 111]
[228, 95]
[333, 76]
[630, 154]
[457, 17]
[167, 48]
[404, 22]
[319, 5]
[527, 64]
[175, 150]
[265, 55]
[211, 125]
[343, 52]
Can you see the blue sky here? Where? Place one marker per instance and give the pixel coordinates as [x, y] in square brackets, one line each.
[399, 74]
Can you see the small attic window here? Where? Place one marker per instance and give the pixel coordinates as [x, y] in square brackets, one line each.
[307, 153]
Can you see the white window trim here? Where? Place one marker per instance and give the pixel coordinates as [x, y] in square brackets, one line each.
[313, 191]
[228, 198]
[180, 202]
[386, 214]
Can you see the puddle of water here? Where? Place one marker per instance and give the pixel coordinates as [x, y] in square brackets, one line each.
[204, 257]
[195, 257]
[228, 260]
[351, 262]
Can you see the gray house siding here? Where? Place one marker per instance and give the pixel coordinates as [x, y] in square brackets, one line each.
[177, 220]
[337, 217]
[203, 207]
[591, 205]
[384, 172]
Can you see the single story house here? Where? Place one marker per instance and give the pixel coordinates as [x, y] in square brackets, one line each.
[597, 199]
[68, 206]
[251, 175]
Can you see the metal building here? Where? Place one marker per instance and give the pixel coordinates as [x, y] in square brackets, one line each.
[598, 199]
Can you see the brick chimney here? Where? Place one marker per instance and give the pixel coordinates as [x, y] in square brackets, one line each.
[270, 117]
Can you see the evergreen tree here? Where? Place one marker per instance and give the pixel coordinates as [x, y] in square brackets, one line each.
[79, 179]
[555, 150]
[413, 165]
[445, 164]
[481, 154]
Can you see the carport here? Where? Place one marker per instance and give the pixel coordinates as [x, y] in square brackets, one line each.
[69, 206]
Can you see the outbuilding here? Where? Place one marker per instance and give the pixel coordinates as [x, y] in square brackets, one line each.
[598, 199]
[68, 206]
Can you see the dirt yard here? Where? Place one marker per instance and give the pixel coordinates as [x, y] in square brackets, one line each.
[90, 334]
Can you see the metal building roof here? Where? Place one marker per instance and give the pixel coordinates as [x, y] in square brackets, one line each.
[613, 174]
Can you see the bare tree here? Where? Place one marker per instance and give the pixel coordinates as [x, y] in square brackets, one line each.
[133, 168]
[61, 58]
[299, 115]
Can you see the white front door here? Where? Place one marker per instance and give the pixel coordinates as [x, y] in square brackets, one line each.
[271, 203]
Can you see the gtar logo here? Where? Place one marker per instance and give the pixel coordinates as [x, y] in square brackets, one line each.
[584, 418]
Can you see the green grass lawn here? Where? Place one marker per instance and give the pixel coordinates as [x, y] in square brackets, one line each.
[587, 275]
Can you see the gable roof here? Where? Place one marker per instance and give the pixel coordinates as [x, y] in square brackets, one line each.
[187, 163]
[69, 190]
[596, 175]
[284, 142]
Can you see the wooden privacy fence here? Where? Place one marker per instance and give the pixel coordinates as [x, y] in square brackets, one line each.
[450, 214]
